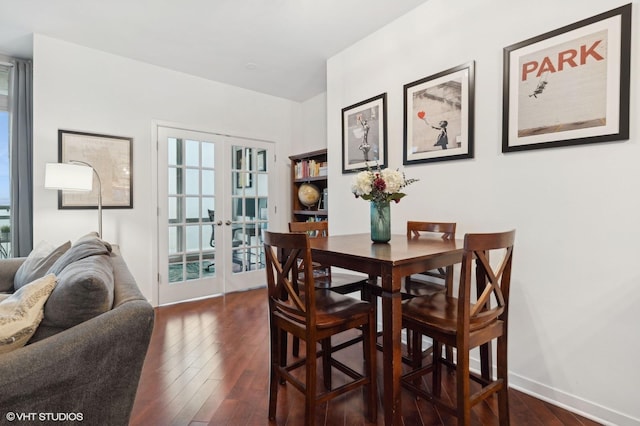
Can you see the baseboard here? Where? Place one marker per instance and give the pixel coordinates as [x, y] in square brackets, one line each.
[575, 404]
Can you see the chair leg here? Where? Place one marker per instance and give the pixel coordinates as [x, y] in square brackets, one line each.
[416, 352]
[274, 376]
[369, 343]
[295, 347]
[326, 362]
[503, 394]
[310, 385]
[463, 387]
[436, 384]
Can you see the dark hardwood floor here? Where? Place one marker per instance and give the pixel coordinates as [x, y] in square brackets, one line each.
[208, 365]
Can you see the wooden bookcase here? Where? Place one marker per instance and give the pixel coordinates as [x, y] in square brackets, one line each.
[311, 168]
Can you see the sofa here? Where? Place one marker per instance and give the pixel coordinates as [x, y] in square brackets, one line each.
[84, 373]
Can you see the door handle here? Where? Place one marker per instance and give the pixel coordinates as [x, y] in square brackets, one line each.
[219, 223]
[228, 222]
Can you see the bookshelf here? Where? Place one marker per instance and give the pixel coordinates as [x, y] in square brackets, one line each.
[309, 167]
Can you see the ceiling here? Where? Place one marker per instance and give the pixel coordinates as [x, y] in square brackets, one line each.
[277, 47]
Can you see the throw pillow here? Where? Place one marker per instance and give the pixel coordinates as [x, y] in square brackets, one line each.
[22, 311]
[87, 246]
[38, 263]
[85, 290]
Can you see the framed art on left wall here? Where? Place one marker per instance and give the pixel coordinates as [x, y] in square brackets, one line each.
[110, 156]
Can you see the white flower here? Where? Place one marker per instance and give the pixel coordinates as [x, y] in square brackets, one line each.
[362, 183]
[394, 180]
[380, 185]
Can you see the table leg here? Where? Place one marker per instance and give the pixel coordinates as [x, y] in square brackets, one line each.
[391, 353]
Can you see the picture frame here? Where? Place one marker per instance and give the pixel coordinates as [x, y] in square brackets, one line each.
[364, 134]
[439, 116]
[110, 156]
[569, 86]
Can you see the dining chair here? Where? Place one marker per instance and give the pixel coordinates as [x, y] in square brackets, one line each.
[428, 282]
[313, 315]
[466, 323]
[342, 283]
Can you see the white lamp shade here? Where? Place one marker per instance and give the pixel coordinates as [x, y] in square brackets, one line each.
[68, 177]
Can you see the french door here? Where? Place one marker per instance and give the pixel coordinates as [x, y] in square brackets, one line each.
[212, 208]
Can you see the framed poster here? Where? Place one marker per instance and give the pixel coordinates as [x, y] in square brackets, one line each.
[364, 134]
[110, 157]
[439, 116]
[569, 86]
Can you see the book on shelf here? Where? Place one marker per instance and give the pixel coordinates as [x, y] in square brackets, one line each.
[310, 168]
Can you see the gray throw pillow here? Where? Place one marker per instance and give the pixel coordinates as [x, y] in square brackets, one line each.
[86, 246]
[85, 290]
[38, 263]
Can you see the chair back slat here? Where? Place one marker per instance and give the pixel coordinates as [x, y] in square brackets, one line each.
[491, 281]
[448, 229]
[313, 229]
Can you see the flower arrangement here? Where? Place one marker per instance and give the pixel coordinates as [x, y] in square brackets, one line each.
[380, 185]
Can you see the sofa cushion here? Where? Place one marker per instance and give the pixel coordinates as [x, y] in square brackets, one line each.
[85, 290]
[22, 311]
[37, 264]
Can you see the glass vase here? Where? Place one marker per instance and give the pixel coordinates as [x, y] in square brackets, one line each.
[380, 222]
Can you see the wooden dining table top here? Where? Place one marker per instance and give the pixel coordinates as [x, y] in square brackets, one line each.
[405, 255]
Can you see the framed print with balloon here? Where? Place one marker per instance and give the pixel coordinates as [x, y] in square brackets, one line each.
[439, 116]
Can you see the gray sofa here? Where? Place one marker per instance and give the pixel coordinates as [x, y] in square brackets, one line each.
[91, 369]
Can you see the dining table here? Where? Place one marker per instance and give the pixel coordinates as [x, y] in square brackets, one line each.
[387, 264]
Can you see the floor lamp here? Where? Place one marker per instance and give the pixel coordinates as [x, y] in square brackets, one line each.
[74, 176]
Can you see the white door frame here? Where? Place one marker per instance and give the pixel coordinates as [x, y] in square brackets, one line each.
[156, 124]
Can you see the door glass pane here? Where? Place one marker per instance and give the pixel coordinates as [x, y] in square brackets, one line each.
[192, 186]
[174, 182]
[192, 154]
[174, 151]
[261, 163]
[208, 182]
[208, 205]
[193, 209]
[208, 155]
[174, 242]
[193, 238]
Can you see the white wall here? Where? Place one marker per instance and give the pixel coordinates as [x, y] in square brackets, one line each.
[76, 88]
[575, 286]
[313, 132]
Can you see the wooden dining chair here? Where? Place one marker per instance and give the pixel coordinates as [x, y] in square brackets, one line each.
[338, 282]
[313, 315]
[428, 282]
[342, 283]
[466, 323]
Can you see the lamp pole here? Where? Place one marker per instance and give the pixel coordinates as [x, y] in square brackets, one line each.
[99, 193]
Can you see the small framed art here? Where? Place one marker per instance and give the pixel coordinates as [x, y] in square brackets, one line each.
[439, 116]
[364, 134]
